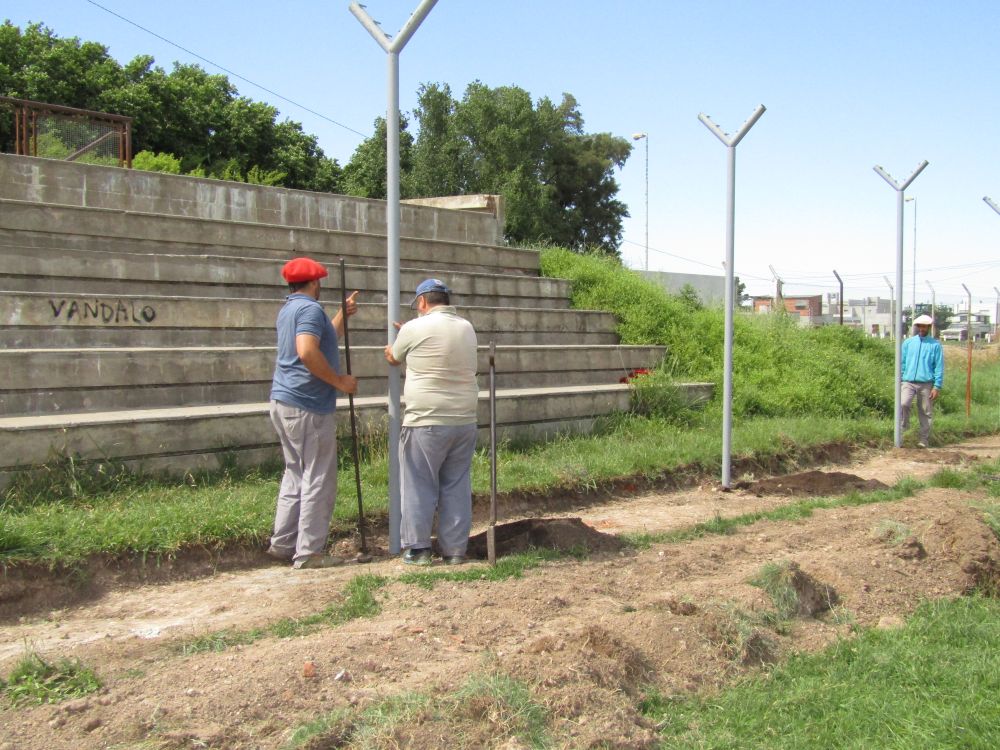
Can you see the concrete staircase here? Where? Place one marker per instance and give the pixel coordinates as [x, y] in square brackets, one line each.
[137, 314]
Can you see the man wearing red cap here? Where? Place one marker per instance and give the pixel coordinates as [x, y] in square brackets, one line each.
[303, 404]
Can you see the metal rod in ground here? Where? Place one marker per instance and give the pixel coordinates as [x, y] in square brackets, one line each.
[491, 536]
[354, 422]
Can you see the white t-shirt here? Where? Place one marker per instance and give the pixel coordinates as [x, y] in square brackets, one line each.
[439, 350]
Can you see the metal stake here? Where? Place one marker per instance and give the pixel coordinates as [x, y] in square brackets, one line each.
[900, 188]
[491, 530]
[363, 556]
[392, 48]
[968, 369]
[730, 141]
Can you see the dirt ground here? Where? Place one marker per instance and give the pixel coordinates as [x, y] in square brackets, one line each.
[586, 636]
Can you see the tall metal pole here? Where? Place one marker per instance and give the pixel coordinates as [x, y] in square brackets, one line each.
[727, 382]
[933, 310]
[392, 47]
[968, 368]
[778, 290]
[645, 137]
[841, 297]
[996, 320]
[913, 300]
[900, 188]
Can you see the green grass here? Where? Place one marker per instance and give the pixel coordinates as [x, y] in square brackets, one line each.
[510, 566]
[491, 704]
[932, 684]
[774, 579]
[34, 680]
[359, 601]
[798, 510]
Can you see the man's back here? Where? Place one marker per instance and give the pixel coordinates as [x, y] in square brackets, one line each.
[439, 349]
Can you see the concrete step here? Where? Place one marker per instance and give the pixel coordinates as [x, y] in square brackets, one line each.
[62, 270]
[36, 320]
[28, 224]
[180, 440]
[73, 184]
[52, 381]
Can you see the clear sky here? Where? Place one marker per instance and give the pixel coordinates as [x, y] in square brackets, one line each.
[847, 85]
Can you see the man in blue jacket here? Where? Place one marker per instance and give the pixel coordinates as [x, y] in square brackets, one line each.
[923, 374]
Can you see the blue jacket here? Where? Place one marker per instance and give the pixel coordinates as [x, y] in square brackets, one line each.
[923, 360]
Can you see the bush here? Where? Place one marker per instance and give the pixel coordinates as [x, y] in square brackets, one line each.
[147, 161]
[779, 368]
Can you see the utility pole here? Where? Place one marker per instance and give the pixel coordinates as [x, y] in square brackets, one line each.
[900, 189]
[841, 297]
[730, 142]
[392, 47]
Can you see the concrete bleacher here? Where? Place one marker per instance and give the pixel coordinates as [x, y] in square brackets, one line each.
[137, 314]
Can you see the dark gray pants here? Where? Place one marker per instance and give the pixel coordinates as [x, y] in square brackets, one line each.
[435, 467]
[921, 392]
[309, 485]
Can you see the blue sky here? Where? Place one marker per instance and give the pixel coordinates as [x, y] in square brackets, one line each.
[847, 85]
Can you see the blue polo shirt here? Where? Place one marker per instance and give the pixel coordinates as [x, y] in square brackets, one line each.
[293, 384]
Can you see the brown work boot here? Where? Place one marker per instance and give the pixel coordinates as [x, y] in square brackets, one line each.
[318, 561]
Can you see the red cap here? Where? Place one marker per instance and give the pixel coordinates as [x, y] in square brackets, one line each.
[302, 269]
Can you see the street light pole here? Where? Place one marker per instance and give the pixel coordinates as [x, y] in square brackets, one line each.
[393, 46]
[645, 137]
[730, 142]
[996, 320]
[900, 188]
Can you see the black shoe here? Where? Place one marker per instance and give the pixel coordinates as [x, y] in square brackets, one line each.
[422, 556]
[454, 560]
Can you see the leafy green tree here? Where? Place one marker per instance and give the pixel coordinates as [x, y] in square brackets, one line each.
[557, 181]
[195, 116]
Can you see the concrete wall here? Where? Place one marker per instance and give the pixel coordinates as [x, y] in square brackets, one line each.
[711, 289]
[72, 184]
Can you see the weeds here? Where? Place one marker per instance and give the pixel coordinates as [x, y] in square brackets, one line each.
[34, 680]
[776, 581]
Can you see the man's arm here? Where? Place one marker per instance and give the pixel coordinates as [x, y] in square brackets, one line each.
[307, 347]
[338, 319]
[389, 356]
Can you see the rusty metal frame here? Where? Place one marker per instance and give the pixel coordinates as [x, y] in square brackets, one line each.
[26, 132]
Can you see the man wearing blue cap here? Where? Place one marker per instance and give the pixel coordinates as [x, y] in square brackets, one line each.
[438, 436]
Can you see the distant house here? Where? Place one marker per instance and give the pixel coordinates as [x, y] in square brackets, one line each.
[809, 309]
[958, 329]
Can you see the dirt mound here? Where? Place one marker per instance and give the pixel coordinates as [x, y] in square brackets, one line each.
[812, 483]
[813, 596]
[563, 534]
[934, 455]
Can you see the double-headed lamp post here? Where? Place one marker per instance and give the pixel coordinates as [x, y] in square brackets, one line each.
[913, 299]
[645, 137]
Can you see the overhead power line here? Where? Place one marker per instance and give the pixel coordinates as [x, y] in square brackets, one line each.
[227, 70]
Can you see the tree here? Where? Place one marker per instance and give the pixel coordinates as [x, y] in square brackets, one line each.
[188, 113]
[942, 315]
[557, 181]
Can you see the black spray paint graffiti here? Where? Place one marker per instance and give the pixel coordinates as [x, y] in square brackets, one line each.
[102, 312]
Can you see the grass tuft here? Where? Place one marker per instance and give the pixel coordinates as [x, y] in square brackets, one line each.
[34, 680]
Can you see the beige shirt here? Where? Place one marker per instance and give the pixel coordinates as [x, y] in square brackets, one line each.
[439, 350]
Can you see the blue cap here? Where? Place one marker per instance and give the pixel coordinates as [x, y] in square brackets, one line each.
[429, 285]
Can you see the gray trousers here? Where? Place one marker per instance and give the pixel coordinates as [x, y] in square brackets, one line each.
[435, 466]
[309, 486]
[925, 407]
